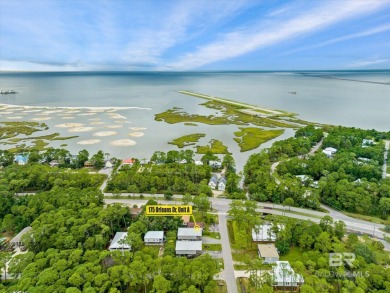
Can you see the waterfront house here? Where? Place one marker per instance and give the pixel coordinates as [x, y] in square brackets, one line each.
[154, 237]
[118, 243]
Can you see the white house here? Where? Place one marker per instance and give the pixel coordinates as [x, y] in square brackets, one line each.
[184, 161]
[268, 253]
[329, 151]
[188, 247]
[154, 237]
[118, 242]
[264, 233]
[54, 163]
[367, 142]
[108, 165]
[192, 234]
[222, 184]
[198, 163]
[215, 164]
[213, 182]
[17, 240]
[284, 276]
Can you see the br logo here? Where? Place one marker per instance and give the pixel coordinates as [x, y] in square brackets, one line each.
[336, 259]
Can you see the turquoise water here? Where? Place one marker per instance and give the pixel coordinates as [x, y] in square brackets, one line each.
[324, 100]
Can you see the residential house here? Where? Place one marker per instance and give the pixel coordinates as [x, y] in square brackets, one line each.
[88, 164]
[264, 233]
[198, 163]
[367, 142]
[213, 183]
[329, 151]
[21, 160]
[54, 163]
[128, 162]
[17, 240]
[134, 212]
[215, 164]
[154, 237]
[184, 161]
[118, 242]
[284, 277]
[108, 165]
[268, 253]
[189, 248]
[192, 234]
[186, 220]
[222, 184]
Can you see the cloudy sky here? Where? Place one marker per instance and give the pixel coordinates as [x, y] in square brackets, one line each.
[194, 34]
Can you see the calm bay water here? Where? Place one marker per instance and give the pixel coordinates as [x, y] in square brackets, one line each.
[324, 100]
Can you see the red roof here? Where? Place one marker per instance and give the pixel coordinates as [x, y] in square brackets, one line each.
[128, 161]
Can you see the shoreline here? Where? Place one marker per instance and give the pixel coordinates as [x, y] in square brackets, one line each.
[72, 108]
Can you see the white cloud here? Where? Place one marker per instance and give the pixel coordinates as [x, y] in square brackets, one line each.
[362, 34]
[369, 62]
[267, 32]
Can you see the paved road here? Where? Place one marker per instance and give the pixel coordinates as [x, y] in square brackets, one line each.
[385, 155]
[227, 255]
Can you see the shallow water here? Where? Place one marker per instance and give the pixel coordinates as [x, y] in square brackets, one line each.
[324, 100]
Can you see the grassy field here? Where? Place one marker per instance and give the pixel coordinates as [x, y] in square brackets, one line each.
[12, 129]
[187, 140]
[212, 247]
[190, 124]
[249, 138]
[214, 235]
[215, 147]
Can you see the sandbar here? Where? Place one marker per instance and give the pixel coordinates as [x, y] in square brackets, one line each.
[67, 117]
[104, 133]
[137, 128]
[123, 142]
[41, 118]
[69, 125]
[86, 114]
[136, 134]
[98, 123]
[80, 129]
[89, 141]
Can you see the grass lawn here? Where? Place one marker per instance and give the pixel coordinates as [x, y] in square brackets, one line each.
[249, 138]
[294, 254]
[214, 235]
[152, 250]
[187, 140]
[212, 247]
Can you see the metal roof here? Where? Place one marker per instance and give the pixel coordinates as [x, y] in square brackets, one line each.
[189, 245]
[189, 232]
[154, 235]
[18, 237]
[116, 242]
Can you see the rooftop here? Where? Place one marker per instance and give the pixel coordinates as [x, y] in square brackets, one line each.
[154, 234]
[116, 243]
[189, 232]
[267, 250]
[189, 245]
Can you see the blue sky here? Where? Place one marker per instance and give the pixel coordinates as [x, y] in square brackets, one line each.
[194, 35]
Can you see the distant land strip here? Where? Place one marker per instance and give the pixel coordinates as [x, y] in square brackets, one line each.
[348, 79]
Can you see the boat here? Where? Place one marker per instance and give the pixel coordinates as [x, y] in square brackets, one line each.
[8, 92]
